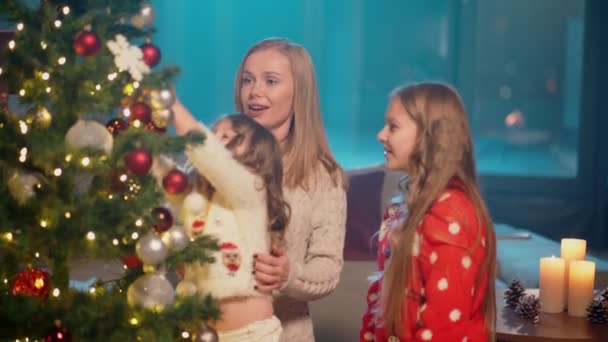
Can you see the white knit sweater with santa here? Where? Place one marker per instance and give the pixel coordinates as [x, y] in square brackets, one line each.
[236, 215]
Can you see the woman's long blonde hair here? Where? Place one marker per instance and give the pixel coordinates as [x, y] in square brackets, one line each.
[443, 151]
[306, 144]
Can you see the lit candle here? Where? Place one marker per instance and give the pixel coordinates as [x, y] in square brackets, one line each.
[572, 249]
[552, 284]
[580, 290]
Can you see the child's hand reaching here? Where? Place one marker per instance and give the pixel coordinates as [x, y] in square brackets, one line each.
[271, 270]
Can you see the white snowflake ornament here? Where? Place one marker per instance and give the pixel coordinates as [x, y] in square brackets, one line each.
[128, 57]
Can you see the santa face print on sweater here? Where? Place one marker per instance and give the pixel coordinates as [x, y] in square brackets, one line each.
[231, 257]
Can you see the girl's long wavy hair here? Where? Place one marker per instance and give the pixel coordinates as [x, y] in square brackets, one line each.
[263, 157]
[443, 151]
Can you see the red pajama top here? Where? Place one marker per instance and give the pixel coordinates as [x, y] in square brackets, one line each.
[443, 303]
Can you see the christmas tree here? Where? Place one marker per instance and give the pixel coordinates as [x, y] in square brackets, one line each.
[77, 148]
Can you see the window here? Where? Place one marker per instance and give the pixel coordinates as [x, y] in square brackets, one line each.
[525, 77]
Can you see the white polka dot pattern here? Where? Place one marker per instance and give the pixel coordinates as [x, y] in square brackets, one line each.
[455, 315]
[442, 284]
[433, 257]
[454, 228]
[466, 262]
[427, 335]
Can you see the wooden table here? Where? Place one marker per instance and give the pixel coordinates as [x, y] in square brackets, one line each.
[551, 327]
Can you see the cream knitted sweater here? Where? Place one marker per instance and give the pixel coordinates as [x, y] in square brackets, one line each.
[315, 243]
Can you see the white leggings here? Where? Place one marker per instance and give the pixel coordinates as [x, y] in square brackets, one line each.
[268, 330]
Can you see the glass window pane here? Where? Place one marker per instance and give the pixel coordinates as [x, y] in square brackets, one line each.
[527, 81]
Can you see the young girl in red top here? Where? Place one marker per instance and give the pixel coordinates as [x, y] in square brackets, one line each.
[437, 262]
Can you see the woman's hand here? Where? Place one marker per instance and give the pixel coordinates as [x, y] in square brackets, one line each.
[271, 271]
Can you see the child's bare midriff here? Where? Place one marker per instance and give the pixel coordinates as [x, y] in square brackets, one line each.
[241, 311]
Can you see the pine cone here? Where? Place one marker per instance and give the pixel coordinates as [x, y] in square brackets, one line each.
[597, 312]
[604, 295]
[514, 293]
[529, 307]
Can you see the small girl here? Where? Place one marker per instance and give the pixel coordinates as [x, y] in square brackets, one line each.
[437, 262]
[238, 199]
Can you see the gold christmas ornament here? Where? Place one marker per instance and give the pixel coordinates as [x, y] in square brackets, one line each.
[39, 117]
[185, 288]
[160, 98]
[162, 117]
[21, 185]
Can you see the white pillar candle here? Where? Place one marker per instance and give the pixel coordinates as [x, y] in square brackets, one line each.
[572, 249]
[580, 290]
[552, 284]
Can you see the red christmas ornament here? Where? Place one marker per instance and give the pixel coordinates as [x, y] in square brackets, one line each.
[131, 261]
[163, 220]
[32, 282]
[151, 54]
[139, 161]
[142, 112]
[58, 334]
[116, 126]
[175, 182]
[87, 43]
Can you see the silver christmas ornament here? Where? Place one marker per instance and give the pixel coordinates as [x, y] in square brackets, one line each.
[175, 238]
[151, 291]
[145, 17]
[91, 134]
[194, 203]
[151, 250]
